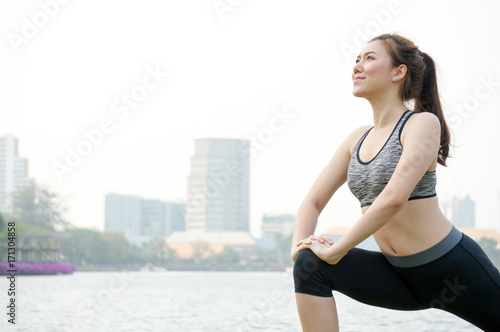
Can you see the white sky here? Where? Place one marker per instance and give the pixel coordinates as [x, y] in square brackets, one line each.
[228, 73]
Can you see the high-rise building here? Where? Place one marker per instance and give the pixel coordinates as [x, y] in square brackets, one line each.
[153, 217]
[219, 186]
[122, 214]
[177, 213]
[141, 219]
[13, 172]
[463, 212]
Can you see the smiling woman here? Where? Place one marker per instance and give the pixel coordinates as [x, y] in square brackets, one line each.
[390, 167]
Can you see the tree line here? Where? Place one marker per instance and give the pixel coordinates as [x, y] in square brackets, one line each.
[37, 209]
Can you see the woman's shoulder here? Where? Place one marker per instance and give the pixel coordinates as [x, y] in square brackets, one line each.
[423, 124]
[360, 131]
[355, 135]
[424, 118]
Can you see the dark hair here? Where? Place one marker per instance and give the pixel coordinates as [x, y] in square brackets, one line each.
[420, 83]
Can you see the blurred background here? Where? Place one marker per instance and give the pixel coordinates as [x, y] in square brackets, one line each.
[182, 135]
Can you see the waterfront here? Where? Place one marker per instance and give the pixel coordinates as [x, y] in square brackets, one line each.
[189, 301]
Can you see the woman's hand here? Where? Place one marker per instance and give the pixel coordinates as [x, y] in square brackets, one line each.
[324, 251]
[320, 239]
[309, 241]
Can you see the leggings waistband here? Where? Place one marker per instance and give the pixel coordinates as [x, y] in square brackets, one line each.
[428, 255]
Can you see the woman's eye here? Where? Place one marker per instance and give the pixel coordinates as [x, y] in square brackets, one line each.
[368, 57]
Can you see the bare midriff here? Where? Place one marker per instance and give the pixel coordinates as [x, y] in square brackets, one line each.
[418, 226]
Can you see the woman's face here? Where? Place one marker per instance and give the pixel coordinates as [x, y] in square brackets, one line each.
[373, 72]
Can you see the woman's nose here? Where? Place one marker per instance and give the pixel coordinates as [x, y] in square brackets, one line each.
[357, 68]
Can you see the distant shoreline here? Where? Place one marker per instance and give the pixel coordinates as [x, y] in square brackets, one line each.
[26, 268]
[153, 269]
[235, 268]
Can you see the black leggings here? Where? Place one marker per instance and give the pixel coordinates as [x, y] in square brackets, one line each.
[463, 281]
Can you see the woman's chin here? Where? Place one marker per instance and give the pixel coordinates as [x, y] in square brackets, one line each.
[358, 93]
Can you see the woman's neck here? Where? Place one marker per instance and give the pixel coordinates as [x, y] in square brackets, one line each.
[386, 111]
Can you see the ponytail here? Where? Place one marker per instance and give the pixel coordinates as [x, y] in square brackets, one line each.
[420, 83]
[428, 101]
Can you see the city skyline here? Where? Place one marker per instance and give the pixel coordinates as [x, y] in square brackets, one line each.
[117, 107]
[460, 210]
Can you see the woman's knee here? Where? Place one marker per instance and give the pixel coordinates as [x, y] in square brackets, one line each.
[309, 276]
[306, 263]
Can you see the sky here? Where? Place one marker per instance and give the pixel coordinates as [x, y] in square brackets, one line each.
[110, 96]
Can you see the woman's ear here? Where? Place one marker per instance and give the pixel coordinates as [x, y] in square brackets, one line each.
[399, 73]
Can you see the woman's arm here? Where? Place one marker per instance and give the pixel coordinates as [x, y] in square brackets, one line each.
[421, 145]
[329, 180]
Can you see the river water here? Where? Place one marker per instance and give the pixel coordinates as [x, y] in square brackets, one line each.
[189, 301]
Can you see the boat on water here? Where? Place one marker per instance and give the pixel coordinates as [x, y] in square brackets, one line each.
[151, 268]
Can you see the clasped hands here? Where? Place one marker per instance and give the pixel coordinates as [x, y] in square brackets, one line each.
[321, 245]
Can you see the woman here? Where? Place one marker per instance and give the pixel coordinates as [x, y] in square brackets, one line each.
[425, 262]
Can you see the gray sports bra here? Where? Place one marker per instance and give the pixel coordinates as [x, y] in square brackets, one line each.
[366, 180]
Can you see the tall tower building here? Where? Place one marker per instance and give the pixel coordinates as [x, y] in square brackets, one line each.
[13, 172]
[219, 186]
[463, 212]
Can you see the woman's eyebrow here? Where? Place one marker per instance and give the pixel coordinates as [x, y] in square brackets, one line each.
[367, 53]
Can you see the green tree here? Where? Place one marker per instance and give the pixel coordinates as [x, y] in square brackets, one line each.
[283, 247]
[157, 250]
[36, 207]
[201, 250]
[3, 225]
[85, 246]
[227, 256]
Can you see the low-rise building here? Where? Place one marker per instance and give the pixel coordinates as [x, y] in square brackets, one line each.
[202, 245]
[273, 225]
